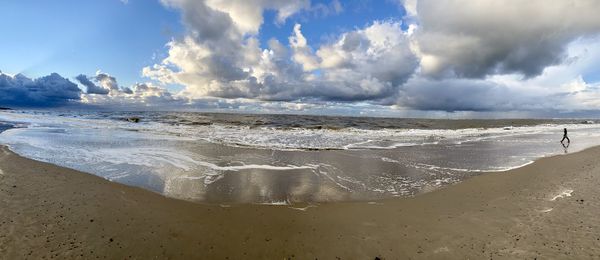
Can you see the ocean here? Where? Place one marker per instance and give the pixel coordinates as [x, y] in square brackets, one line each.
[284, 159]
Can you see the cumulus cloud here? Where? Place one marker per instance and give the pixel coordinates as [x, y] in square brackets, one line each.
[49, 91]
[106, 81]
[220, 50]
[211, 19]
[222, 57]
[140, 95]
[372, 62]
[107, 84]
[410, 7]
[449, 55]
[302, 52]
[91, 88]
[477, 38]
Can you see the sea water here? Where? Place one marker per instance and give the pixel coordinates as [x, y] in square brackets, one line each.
[234, 158]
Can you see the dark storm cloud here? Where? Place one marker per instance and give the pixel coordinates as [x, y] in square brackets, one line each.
[473, 39]
[458, 95]
[49, 91]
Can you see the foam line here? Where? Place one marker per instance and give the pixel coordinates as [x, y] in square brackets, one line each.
[276, 203]
[433, 167]
[562, 194]
[304, 208]
[255, 166]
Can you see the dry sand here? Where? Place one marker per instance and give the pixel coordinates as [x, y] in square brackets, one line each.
[53, 212]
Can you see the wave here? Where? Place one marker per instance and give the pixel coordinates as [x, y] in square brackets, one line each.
[268, 136]
[186, 159]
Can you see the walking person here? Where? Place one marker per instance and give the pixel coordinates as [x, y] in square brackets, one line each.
[565, 137]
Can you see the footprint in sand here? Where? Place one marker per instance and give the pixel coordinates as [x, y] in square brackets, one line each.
[562, 194]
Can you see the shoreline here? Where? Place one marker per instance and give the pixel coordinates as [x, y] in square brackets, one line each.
[181, 162]
[287, 202]
[544, 209]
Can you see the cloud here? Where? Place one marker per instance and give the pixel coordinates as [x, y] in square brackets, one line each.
[220, 51]
[458, 95]
[106, 81]
[445, 60]
[322, 10]
[558, 88]
[91, 88]
[107, 84]
[369, 63]
[145, 90]
[302, 53]
[49, 91]
[222, 57]
[140, 95]
[213, 19]
[443, 55]
[410, 7]
[473, 39]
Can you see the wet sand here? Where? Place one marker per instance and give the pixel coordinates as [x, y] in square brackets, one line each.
[53, 212]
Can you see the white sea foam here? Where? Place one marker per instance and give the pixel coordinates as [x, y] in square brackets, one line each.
[562, 194]
[303, 208]
[123, 151]
[390, 160]
[256, 166]
[488, 169]
[276, 203]
[299, 138]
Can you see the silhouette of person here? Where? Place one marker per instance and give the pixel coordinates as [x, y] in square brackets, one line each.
[565, 137]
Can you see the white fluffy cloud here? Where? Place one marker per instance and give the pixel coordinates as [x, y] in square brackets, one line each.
[243, 16]
[450, 55]
[369, 63]
[455, 55]
[302, 53]
[223, 58]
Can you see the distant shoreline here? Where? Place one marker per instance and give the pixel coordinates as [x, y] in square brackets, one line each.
[517, 121]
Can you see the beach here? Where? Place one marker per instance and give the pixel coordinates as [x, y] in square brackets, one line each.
[547, 209]
[300, 129]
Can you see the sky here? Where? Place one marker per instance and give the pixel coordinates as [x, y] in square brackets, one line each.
[431, 58]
